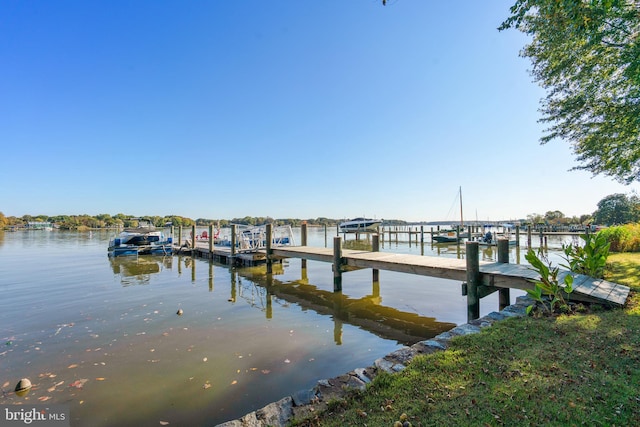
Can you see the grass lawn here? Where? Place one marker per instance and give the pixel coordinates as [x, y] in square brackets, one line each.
[582, 369]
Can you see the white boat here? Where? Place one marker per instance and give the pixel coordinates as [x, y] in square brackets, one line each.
[140, 241]
[359, 225]
[490, 239]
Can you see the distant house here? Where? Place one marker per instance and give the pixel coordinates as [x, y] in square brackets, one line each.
[39, 225]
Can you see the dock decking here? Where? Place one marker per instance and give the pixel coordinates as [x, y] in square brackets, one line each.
[492, 274]
[499, 275]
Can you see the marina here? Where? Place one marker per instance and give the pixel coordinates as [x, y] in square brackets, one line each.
[101, 335]
[103, 332]
[483, 277]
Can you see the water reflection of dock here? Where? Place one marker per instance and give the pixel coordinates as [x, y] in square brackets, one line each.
[262, 291]
[367, 312]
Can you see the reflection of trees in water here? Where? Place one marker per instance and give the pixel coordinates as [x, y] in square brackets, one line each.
[138, 270]
[362, 245]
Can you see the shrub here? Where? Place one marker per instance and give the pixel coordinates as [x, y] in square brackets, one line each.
[623, 238]
[549, 292]
[591, 259]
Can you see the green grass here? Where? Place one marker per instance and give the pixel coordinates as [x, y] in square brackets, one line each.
[581, 369]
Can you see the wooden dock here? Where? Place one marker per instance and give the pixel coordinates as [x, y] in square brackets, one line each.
[482, 278]
[495, 274]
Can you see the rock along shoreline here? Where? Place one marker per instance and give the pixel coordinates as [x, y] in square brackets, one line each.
[306, 402]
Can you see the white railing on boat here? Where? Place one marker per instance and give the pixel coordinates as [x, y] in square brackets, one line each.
[253, 238]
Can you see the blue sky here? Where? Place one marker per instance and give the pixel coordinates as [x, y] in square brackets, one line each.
[288, 109]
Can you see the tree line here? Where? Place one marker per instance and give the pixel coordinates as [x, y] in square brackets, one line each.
[614, 209]
[75, 222]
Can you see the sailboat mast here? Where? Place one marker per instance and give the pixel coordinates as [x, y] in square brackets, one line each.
[461, 217]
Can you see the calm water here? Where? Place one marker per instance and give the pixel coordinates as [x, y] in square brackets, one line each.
[102, 335]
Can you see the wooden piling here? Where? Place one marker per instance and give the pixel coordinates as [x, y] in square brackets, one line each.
[337, 264]
[375, 247]
[325, 235]
[473, 280]
[303, 241]
[193, 236]
[233, 241]
[541, 238]
[269, 238]
[504, 297]
[210, 240]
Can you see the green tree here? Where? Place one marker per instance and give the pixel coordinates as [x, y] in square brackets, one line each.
[554, 217]
[586, 54]
[3, 221]
[617, 209]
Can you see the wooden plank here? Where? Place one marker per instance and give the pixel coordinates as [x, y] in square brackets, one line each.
[499, 275]
[619, 295]
[306, 252]
[601, 288]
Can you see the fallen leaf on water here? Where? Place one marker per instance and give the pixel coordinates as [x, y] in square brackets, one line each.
[50, 389]
[234, 382]
[206, 386]
[78, 383]
[164, 423]
[287, 361]
[100, 379]
[73, 365]
[265, 371]
[44, 398]
[204, 359]
[5, 384]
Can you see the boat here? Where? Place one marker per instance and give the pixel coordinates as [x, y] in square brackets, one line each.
[253, 238]
[359, 225]
[140, 241]
[495, 243]
[447, 238]
[490, 239]
[452, 236]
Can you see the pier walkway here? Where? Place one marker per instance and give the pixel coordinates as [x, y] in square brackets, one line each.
[494, 274]
[480, 278]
